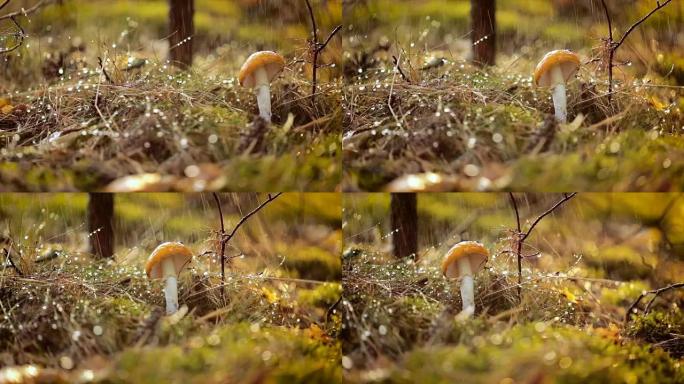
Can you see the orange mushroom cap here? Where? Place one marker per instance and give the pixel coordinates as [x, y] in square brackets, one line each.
[476, 252]
[272, 62]
[566, 60]
[175, 251]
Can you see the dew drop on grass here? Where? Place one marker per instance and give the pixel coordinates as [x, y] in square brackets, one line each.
[471, 170]
[471, 142]
[266, 355]
[66, 362]
[347, 363]
[382, 330]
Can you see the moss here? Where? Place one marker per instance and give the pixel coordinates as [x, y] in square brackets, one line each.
[624, 294]
[323, 295]
[657, 326]
[539, 353]
[622, 262]
[671, 65]
[309, 262]
[242, 352]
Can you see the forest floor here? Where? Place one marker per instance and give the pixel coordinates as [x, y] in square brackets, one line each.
[68, 126]
[491, 128]
[71, 319]
[588, 263]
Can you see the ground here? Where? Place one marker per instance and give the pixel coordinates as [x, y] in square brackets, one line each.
[464, 128]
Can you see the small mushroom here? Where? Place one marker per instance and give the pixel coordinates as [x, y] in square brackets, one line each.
[555, 69]
[464, 260]
[166, 262]
[258, 72]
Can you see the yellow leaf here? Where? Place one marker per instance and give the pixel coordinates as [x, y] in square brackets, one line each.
[270, 295]
[315, 332]
[657, 103]
[569, 295]
[611, 332]
[7, 109]
[4, 101]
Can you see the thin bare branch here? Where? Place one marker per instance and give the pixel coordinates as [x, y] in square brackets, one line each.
[225, 237]
[317, 48]
[521, 237]
[398, 67]
[24, 12]
[222, 254]
[519, 242]
[656, 293]
[553, 208]
[612, 46]
[659, 5]
[11, 262]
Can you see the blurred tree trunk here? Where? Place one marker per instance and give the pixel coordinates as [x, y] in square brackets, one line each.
[181, 31]
[404, 222]
[101, 224]
[483, 25]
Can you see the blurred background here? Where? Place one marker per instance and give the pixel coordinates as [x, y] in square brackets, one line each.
[303, 226]
[622, 235]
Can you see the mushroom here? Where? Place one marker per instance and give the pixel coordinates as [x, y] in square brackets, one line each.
[464, 260]
[555, 69]
[166, 262]
[258, 72]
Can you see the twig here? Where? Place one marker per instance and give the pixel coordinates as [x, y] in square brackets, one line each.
[398, 67]
[332, 308]
[222, 255]
[613, 46]
[104, 71]
[656, 293]
[11, 262]
[20, 34]
[24, 12]
[611, 51]
[636, 24]
[519, 243]
[521, 237]
[549, 211]
[225, 238]
[317, 49]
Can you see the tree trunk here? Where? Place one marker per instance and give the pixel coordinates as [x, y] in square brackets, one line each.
[404, 221]
[181, 31]
[483, 19]
[101, 224]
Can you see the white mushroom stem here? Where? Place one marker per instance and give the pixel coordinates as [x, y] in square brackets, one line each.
[263, 91]
[170, 287]
[467, 288]
[560, 105]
